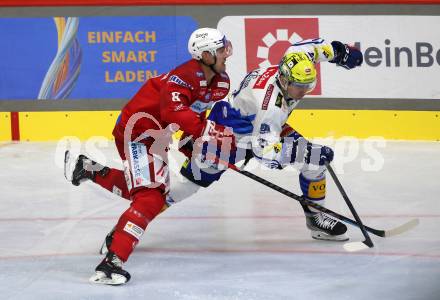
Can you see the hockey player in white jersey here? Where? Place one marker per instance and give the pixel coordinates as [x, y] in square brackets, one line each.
[272, 94]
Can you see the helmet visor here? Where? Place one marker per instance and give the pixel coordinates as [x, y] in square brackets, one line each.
[226, 49]
[309, 87]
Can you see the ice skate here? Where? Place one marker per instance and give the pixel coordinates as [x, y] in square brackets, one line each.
[110, 271]
[324, 227]
[83, 169]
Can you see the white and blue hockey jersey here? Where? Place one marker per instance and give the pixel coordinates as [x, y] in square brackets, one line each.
[260, 93]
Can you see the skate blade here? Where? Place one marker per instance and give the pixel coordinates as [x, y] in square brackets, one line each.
[100, 278]
[317, 235]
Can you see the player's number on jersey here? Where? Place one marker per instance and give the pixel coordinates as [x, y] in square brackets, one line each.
[175, 96]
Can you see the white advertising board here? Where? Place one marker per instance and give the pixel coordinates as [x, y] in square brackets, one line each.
[401, 53]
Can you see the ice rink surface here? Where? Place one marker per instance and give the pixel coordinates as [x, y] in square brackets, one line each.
[236, 240]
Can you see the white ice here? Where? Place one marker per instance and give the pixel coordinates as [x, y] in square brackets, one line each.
[236, 240]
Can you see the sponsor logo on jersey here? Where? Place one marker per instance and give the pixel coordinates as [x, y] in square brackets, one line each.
[133, 229]
[263, 78]
[199, 74]
[267, 97]
[267, 39]
[179, 107]
[201, 35]
[219, 94]
[264, 128]
[203, 83]
[200, 106]
[222, 84]
[317, 189]
[139, 164]
[245, 82]
[176, 79]
[134, 151]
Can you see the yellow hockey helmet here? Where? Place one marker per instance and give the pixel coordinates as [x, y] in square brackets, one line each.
[299, 70]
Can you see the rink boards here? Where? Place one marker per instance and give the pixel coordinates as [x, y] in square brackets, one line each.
[395, 125]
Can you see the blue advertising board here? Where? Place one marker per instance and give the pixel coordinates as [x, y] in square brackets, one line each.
[88, 57]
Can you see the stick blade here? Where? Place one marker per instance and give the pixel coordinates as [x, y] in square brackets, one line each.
[402, 228]
[67, 163]
[355, 246]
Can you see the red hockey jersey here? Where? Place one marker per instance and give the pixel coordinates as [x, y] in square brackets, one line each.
[180, 96]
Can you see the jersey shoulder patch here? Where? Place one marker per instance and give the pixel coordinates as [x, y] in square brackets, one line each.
[188, 75]
[177, 80]
[262, 80]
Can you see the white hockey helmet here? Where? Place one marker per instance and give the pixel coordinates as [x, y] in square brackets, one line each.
[207, 39]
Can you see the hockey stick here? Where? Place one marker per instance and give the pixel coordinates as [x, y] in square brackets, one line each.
[66, 160]
[352, 246]
[382, 233]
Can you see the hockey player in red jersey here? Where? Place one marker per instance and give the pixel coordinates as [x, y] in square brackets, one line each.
[176, 100]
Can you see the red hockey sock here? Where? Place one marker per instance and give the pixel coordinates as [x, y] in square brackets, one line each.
[114, 181]
[146, 205]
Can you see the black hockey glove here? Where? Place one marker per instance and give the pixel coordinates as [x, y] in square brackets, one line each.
[346, 56]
